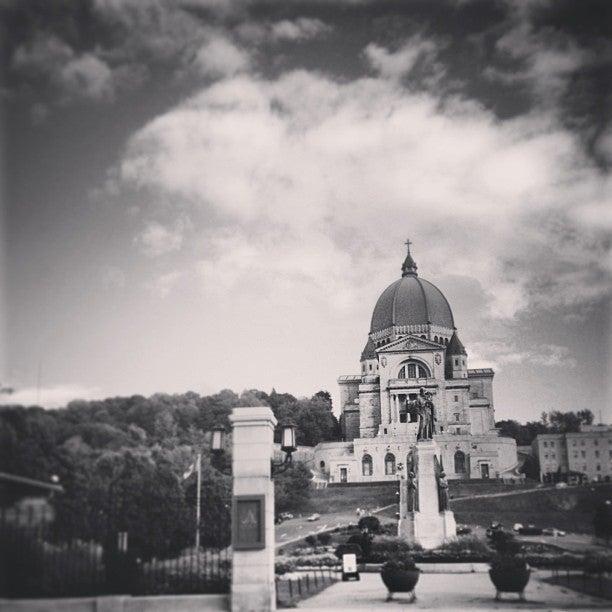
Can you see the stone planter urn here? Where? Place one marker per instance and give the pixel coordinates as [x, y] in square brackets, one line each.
[400, 576]
[510, 576]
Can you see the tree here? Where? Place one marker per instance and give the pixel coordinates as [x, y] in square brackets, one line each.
[292, 488]
[315, 421]
[565, 422]
[323, 395]
[550, 422]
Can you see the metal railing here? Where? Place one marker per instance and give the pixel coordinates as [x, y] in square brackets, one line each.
[299, 585]
[37, 560]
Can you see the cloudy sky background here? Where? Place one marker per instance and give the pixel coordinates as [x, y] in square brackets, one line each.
[203, 194]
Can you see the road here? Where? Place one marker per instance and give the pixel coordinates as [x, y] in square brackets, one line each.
[299, 527]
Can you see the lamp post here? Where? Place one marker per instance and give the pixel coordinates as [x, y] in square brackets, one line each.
[288, 446]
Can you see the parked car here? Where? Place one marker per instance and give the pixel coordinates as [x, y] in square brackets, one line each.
[561, 485]
[553, 531]
[463, 530]
[314, 517]
[286, 516]
[530, 530]
[517, 527]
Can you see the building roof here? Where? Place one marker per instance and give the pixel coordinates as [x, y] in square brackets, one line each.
[369, 351]
[455, 346]
[479, 372]
[411, 301]
[349, 378]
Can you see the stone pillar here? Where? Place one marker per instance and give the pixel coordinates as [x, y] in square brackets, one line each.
[429, 527]
[253, 585]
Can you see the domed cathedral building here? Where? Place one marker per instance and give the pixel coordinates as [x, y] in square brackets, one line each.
[414, 347]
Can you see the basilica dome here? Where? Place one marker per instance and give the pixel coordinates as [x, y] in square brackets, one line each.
[411, 301]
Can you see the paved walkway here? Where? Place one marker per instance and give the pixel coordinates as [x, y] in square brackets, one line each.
[450, 592]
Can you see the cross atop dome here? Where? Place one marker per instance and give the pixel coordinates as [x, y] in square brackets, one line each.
[409, 267]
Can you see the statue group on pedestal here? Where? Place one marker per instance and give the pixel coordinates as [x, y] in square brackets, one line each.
[423, 407]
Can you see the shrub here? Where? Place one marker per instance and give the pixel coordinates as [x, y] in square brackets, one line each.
[467, 544]
[564, 560]
[505, 543]
[385, 548]
[316, 560]
[324, 538]
[348, 549]
[369, 523]
[284, 565]
[364, 541]
[312, 540]
[388, 529]
[400, 564]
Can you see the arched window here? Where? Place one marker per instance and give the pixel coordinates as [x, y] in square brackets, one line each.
[366, 465]
[389, 464]
[446, 341]
[413, 369]
[424, 337]
[436, 340]
[459, 462]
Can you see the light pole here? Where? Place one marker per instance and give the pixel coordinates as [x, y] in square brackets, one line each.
[288, 446]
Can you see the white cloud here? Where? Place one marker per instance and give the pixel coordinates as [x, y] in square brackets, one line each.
[320, 183]
[163, 284]
[89, 77]
[220, 57]
[302, 28]
[548, 60]
[74, 75]
[56, 396]
[399, 63]
[497, 354]
[156, 239]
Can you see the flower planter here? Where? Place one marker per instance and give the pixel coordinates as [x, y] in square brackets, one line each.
[510, 581]
[400, 581]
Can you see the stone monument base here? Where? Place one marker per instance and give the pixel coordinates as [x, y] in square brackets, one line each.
[427, 525]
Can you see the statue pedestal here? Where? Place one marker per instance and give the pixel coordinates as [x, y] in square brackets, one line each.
[426, 526]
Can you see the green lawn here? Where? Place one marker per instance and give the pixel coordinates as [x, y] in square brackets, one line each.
[569, 509]
[462, 488]
[349, 498]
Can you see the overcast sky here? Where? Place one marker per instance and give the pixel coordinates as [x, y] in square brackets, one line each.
[204, 194]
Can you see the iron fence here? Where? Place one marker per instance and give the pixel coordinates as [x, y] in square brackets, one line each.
[299, 585]
[38, 560]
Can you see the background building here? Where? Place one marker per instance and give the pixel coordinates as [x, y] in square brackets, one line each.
[564, 456]
[413, 344]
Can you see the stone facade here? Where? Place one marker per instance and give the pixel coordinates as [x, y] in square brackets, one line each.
[413, 345]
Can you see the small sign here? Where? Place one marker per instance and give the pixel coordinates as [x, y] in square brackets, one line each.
[248, 529]
[349, 567]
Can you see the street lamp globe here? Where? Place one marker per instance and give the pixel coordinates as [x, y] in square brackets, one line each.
[217, 438]
[288, 444]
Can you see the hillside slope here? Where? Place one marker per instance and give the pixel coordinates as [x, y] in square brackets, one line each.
[570, 509]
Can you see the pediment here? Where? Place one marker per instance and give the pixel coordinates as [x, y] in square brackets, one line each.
[410, 343]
